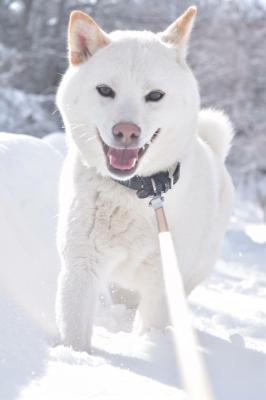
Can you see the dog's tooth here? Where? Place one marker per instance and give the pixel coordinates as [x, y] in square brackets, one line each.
[134, 162]
[110, 159]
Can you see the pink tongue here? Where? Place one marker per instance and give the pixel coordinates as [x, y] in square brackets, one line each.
[122, 158]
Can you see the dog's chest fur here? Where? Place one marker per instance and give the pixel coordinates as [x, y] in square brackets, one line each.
[120, 222]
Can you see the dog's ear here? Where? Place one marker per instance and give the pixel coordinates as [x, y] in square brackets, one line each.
[85, 37]
[178, 33]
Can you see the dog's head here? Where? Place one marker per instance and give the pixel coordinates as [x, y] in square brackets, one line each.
[128, 99]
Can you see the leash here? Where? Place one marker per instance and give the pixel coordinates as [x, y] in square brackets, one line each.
[188, 357]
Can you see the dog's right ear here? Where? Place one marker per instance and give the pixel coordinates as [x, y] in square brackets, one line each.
[85, 37]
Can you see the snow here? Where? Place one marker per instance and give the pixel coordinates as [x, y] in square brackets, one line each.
[57, 141]
[29, 171]
[229, 309]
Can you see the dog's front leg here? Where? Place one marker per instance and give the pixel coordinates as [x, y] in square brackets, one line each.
[80, 264]
[86, 265]
[78, 281]
[76, 299]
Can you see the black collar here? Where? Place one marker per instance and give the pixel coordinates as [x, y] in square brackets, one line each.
[153, 185]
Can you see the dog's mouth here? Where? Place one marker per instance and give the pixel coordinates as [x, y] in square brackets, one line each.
[123, 162]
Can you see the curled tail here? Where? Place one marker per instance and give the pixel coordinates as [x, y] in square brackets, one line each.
[217, 131]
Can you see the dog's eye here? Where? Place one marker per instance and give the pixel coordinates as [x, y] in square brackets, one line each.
[155, 95]
[105, 91]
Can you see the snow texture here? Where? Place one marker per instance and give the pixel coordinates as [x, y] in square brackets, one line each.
[228, 310]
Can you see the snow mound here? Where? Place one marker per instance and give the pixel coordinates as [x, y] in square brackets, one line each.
[57, 140]
[29, 172]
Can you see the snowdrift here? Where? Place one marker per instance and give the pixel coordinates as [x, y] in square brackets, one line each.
[29, 171]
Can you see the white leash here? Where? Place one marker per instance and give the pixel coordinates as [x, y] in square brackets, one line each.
[188, 357]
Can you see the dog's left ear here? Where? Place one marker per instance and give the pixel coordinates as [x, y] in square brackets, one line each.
[178, 33]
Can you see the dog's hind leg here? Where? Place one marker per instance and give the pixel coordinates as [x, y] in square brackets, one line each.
[152, 311]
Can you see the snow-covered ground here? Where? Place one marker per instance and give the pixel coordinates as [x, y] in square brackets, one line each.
[229, 309]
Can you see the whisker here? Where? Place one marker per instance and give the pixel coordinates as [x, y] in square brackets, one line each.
[76, 126]
[84, 134]
[91, 138]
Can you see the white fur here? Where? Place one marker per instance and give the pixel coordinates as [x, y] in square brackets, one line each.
[105, 232]
[216, 129]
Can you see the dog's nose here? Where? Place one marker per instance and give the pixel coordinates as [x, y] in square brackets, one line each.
[126, 133]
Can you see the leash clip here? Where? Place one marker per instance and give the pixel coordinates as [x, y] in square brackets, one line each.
[156, 202]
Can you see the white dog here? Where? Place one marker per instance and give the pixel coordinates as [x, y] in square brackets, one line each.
[130, 105]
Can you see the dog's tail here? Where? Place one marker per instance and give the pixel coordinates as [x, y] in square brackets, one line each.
[217, 131]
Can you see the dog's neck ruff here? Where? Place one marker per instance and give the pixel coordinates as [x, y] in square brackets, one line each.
[154, 185]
